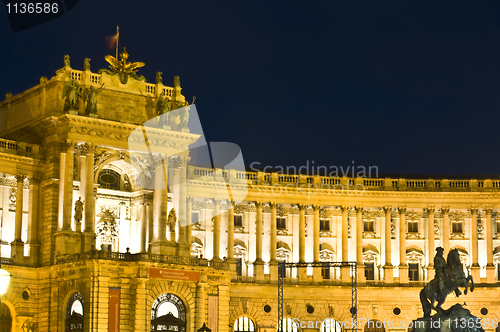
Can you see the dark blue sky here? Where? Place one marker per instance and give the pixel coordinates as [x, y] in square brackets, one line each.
[409, 86]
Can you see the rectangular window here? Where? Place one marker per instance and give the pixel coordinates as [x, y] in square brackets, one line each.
[369, 271]
[412, 226]
[194, 218]
[325, 271]
[106, 247]
[456, 227]
[238, 221]
[413, 272]
[280, 223]
[368, 226]
[324, 225]
[238, 266]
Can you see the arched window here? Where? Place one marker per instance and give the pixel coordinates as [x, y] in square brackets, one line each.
[74, 313]
[168, 314]
[244, 324]
[289, 325]
[331, 325]
[109, 179]
[374, 326]
[5, 318]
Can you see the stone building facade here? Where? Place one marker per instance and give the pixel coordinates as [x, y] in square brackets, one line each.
[95, 242]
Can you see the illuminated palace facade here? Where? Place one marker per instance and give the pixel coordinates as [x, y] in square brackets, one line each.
[90, 248]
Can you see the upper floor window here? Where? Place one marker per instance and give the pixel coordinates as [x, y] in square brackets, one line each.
[456, 227]
[280, 223]
[368, 226]
[195, 218]
[412, 226]
[324, 225]
[413, 272]
[369, 271]
[109, 179]
[238, 221]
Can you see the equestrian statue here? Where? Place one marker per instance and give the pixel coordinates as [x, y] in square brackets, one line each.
[449, 276]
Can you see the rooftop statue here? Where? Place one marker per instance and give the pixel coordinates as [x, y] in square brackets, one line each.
[123, 68]
[86, 64]
[90, 96]
[159, 80]
[449, 276]
[163, 107]
[71, 93]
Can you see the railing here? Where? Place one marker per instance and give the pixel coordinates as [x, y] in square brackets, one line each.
[128, 257]
[19, 148]
[245, 279]
[459, 184]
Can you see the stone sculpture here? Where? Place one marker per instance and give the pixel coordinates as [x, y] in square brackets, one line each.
[90, 97]
[71, 93]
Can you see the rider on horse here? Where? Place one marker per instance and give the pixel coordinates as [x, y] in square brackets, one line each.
[440, 268]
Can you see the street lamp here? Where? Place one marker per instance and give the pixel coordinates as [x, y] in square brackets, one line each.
[204, 328]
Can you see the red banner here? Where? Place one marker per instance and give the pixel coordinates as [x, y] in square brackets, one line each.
[114, 310]
[174, 274]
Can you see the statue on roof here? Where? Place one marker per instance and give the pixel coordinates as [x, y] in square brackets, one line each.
[123, 68]
[163, 107]
[86, 64]
[90, 97]
[159, 80]
[71, 93]
[66, 61]
[449, 276]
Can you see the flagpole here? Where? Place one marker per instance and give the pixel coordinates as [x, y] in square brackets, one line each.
[117, 37]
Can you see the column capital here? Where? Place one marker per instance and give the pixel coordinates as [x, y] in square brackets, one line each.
[273, 205]
[258, 204]
[178, 161]
[189, 199]
[359, 209]
[488, 209]
[344, 208]
[217, 201]
[316, 207]
[68, 145]
[445, 209]
[387, 208]
[302, 207]
[402, 209]
[34, 180]
[83, 149]
[431, 209]
[473, 209]
[20, 178]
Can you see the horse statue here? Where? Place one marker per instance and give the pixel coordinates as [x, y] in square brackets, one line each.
[438, 290]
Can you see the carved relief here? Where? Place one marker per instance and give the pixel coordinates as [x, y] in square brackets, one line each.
[12, 199]
[325, 213]
[282, 211]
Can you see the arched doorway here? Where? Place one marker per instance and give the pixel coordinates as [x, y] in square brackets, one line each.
[244, 324]
[331, 325]
[168, 313]
[374, 326]
[289, 325]
[5, 318]
[74, 313]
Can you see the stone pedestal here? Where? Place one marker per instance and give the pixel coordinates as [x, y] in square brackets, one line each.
[184, 249]
[17, 251]
[258, 270]
[403, 274]
[164, 247]
[388, 273]
[232, 264]
[490, 274]
[475, 271]
[34, 252]
[68, 242]
[273, 270]
[88, 241]
[360, 273]
[455, 319]
[345, 274]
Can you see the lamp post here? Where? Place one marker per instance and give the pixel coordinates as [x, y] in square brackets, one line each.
[204, 328]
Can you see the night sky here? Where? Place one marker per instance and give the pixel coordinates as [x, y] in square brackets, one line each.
[411, 87]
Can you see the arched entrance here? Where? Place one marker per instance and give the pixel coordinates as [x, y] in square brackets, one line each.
[74, 313]
[374, 326]
[168, 313]
[5, 318]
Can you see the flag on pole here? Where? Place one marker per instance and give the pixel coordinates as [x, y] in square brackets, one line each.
[112, 41]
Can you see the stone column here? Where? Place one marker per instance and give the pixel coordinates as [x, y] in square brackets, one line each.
[216, 231]
[345, 271]
[273, 264]
[431, 248]
[200, 306]
[89, 228]
[359, 244]
[68, 186]
[184, 246]
[488, 235]
[144, 226]
[316, 271]
[302, 272]
[445, 210]
[189, 216]
[230, 236]
[403, 267]
[388, 268]
[161, 245]
[259, 263]
[17, 246]
[475, 270]
[33, 242]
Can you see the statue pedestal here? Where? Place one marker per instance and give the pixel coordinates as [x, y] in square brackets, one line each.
[455, 319]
